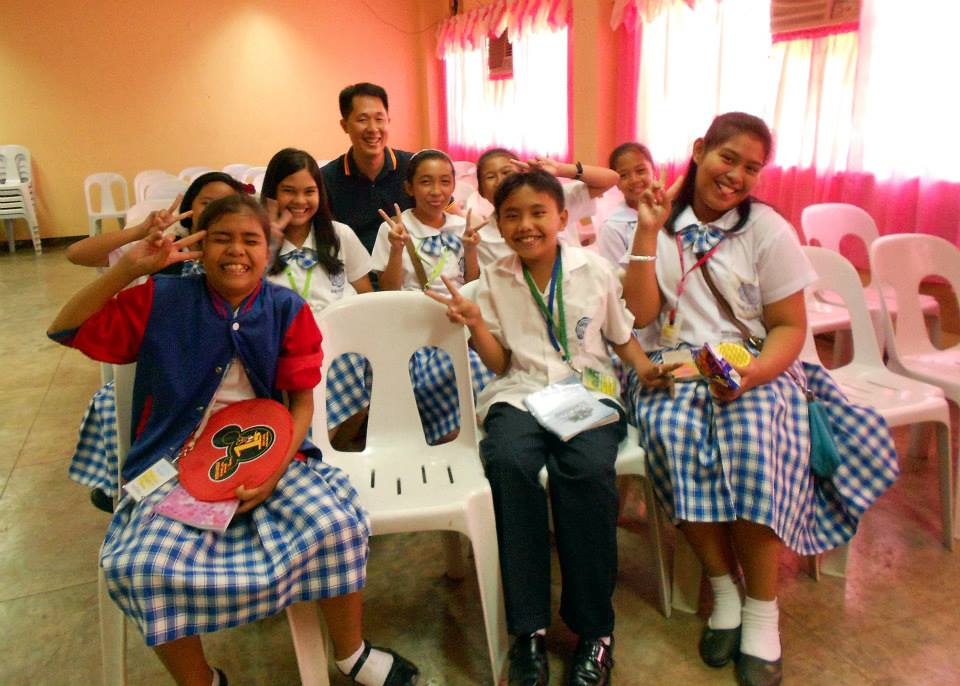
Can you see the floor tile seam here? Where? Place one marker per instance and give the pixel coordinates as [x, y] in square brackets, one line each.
[48, 591]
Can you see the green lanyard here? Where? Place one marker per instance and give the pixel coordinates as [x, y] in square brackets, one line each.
[306, 282]
[556, 330]
[438, 269]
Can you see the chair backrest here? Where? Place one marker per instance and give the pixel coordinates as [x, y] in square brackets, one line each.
[830, 222]
[901, 262]
[387, 328]
[188, 174]
[237, 171]
[165, 189]
[15, 164]
[606, 204]
[257, 182]
[464, 168]
[105, 182]
[252, 174]
[144, 179]
[836, 274]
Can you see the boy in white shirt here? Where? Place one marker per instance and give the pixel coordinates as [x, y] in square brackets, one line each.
[529, 347]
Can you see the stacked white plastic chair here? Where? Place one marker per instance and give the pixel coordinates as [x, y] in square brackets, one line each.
[252, 173]
[17, 198]
[144, 179]
[404, 484]
[108, 208]
[901, 262]
[237, 171]
[867, 381]
[165, 188]
[188, 174]
[305, 627]
[829, 224]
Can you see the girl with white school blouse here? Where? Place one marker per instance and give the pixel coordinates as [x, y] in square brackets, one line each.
[733, 467]
[412, 251]
[323, 261]
[634, 167]
[496, 164]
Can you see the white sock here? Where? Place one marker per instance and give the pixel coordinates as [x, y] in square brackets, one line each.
[605, 640]
[540, 632]
[760, 636]
[726, 603]
[374, 670]
[216, 678]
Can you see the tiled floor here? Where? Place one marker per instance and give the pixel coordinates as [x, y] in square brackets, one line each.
[894, 620]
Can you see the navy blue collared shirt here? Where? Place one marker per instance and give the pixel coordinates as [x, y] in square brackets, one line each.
[355, 200]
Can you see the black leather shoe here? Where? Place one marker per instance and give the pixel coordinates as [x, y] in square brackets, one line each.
[528, 661]
[719, 646]
[223, 677]
[402, 671]
[101, 500]
[752, 671]
[592, 663]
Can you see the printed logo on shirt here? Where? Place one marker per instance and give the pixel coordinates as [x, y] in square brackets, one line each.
[463, 265]
[338, 281]
[582, 327]
[243, 445]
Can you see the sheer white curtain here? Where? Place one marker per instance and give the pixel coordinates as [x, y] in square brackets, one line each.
[697, 62]
[526, 113]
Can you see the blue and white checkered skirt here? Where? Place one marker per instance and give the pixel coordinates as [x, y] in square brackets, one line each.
[308, 540]
[435, 389]
[94, 463]
[749, 459]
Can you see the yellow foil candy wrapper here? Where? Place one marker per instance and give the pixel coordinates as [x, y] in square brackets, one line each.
[734, 353]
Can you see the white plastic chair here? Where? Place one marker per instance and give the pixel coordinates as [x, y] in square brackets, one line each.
[237, 171]
[188, 174]
[165, 189]
[252, 173]
[901, 262]
[108, 209]
[462, 168]
[305, 626]
[404, 484]
[257, 182]
[828, 224]
[866, 381]
[17, 198]
[144, 179]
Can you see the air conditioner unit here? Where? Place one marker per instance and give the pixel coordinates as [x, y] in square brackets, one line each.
[500, 57]
[813, 17]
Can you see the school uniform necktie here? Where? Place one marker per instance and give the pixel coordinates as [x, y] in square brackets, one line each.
[701, 236]
[306, 258]
[434, 245]
[192, 268]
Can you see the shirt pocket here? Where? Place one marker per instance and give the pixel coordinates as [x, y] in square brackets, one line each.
[744, 294]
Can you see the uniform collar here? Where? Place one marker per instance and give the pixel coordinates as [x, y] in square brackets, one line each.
[418, 229]
[389, 162]
[573, 259]
[623, 213]
[309, 242]
[222, 307]
[725, 222]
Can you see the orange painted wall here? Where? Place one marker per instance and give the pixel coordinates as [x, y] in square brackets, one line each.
[103, 86]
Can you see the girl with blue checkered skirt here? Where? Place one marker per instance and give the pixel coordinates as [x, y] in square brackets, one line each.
[300, 535]
[732, 467]
[94, 462]
[412, 251]
[323, 261]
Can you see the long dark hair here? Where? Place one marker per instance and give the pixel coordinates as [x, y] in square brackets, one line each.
[723, 128]
[289, 161]
[197, 185]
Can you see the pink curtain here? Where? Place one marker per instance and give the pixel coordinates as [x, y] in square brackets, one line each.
[866, 118]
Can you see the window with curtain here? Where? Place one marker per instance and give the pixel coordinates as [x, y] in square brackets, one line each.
[858, 116]
[527, 113]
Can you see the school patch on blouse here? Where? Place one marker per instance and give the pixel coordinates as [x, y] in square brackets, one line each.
[242, 444]
[338, 281]
[582, 327]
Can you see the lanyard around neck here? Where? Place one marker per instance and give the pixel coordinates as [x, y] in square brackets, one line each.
[684, 272]
[306, 282]
[556, 330]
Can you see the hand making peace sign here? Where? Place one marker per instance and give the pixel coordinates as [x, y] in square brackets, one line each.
[459, 309]
[471, 235]
[655, 203]
[158, 251]
[398, 233]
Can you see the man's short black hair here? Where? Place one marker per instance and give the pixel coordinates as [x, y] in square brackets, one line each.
[350, 92]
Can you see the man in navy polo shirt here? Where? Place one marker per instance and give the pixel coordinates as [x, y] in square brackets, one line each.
[369, 176]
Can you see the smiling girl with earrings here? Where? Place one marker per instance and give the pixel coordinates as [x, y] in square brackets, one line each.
[732, 466]
[413, 250]
[323, 261]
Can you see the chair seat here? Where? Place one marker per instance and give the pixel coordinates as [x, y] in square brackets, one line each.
[929, 304]
[899, 399]
[823, 317]
[941, 368]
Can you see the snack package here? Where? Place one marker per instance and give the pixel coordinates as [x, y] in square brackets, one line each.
[715, 368]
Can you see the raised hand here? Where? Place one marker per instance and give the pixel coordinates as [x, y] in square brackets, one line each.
[544, 163]
[656, 202]
[397, 234]
[279, 219]
[459, 309]
[158, 251]
[471, 235]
